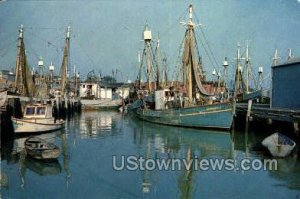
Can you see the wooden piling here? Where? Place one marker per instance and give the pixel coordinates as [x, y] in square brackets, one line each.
[248, 110]
[296, 128]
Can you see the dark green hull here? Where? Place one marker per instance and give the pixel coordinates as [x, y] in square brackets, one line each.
[214, 116]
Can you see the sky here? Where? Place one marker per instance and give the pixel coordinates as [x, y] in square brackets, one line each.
[107, 34]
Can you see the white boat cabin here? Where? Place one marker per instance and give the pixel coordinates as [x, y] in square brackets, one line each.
[123, 92]
[94, 91]
[38, 111]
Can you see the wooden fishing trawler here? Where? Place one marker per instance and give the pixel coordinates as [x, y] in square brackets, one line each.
[37, 119]
[192, 105]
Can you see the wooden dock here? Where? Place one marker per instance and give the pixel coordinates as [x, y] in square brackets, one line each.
[269, 116]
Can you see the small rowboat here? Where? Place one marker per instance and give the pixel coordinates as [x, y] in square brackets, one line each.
[279, 145]
[40, 149]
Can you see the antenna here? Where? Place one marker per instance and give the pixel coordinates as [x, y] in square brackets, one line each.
[290, 54]
[275, 58]
[21, 31]
[68, 31]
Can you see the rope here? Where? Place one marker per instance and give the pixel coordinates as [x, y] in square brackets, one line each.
[182, 16]
[7, 49]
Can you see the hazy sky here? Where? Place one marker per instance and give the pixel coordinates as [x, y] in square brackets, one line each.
[107, 34]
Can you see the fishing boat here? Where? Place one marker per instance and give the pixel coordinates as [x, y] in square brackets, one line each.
[279, 145]
[40, 149]
[95, 97]
[101, 104]
[242, 91]
[37, 119]
[191, 105]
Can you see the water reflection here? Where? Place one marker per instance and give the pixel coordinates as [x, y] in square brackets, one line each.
[288, 172]
[93, 124]
[15, 153]
[90, 139]
[248, 143]
[164, 142]
[39, 167]
[43, 168]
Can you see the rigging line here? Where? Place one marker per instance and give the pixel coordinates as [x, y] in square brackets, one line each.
[44, 40]
[6, 50]
[206, 41]
[199, 57]
[43, 28]
[152, 60]
[142, 63]
[253, 76]
[157, 60]
[8, 44]
[207, 53]
[176, 22]
[178, 64]
[86, 54]
[31, 50]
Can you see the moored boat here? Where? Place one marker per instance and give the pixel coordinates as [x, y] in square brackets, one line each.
[214, 116]
[101, 104]
[37, 119]
[190, 104]
[279, 145]
[40, 149]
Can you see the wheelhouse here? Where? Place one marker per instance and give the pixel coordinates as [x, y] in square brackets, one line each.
[36, 111]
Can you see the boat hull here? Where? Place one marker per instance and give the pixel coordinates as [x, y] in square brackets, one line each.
[215, 116]
[45, 154]
[101, 104]
[279, 145]
[36, 125]
[40, 149]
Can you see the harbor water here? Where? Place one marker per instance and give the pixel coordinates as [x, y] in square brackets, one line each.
[94, 143]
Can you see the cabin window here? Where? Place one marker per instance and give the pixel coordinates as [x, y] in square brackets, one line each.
[40, 110]
[30, 111]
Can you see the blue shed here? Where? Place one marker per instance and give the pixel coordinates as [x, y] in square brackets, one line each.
[286, 85]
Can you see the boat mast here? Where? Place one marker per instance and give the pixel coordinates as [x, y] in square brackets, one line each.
[188, 62]
[157, 64]
[140, 71]
[164, 72]
[65, 63]
[247, 68]
[147, 40]
[18, 61]
[225, 66]
[23, 80]
[238, 88]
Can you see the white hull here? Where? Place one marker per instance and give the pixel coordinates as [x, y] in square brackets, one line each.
[36, 125]
[100, 103]
[279, 145]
